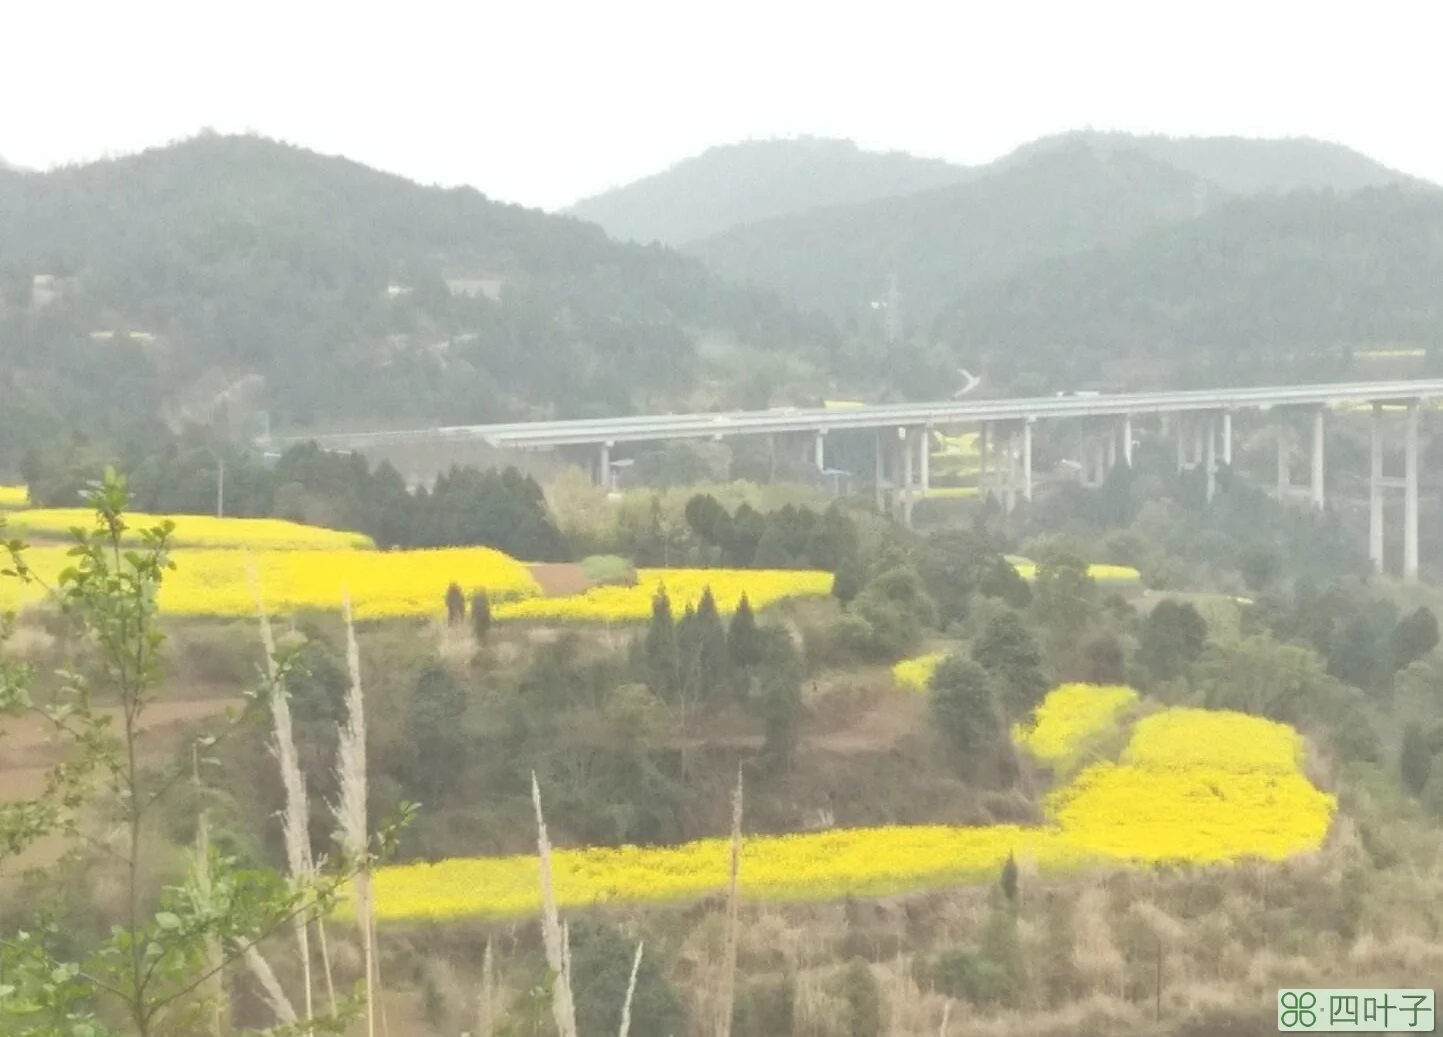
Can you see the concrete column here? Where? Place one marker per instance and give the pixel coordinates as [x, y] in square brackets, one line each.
[878, 481]
[1410, 497]
[1318, 459]
[1197, 442]
[1027, 459]
[983, 435]
[1010, 492]
[1375, 492]
[1111, 451]
[1212, 460]
[904, 445]
[819, 450]
[924, 457]
[1127, 439]
[603, 467]
[1181, 446]
[1284, 477]
[1228, 438]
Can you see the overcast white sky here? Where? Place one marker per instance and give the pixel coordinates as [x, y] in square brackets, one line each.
[543, 102]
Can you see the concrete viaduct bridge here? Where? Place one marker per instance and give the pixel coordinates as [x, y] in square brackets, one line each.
[1006, 426]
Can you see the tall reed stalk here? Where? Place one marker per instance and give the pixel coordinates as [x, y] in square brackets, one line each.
[729, 961]
[555, 936]
[295, 816]
[350, 811]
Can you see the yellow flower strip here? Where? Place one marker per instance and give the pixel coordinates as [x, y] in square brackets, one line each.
[1101, 572]
[195, 530]
[1184, 738]
[382, 584]
[913, 674]
[1069, 719]
[684, 587]
[14, 497]
[1216, 804]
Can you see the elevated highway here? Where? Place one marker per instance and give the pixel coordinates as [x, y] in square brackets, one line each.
[1006, 437]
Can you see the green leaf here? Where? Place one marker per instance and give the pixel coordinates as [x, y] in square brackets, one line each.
[167, 920]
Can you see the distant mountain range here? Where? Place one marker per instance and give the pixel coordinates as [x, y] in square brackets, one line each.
[942, 241]
[736, 184]
[338, 295]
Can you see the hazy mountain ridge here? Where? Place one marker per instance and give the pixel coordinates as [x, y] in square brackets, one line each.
[1241, 165]
[736, 184]
[240, 256]
[939, 242]
[1252, 281]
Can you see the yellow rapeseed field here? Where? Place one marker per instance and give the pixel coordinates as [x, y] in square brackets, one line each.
[1072, 718]
[684, 587]
[1223, 802]
[913, 674]
[14, 497]
[382, 584]
[1102, 573]
[194, 530]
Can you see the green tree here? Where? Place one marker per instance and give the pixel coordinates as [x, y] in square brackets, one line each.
[862, 1000]
[1259, 566]
[435, 738]
[455, 604]
[1064, 597]
[1009, 652]
[480, 615]
[963, 707]
[156, 965]
[1414, 637]
[1172, 637]
[1415, 760]
[600, 972]
[1258, 675]
[709, 661]
[661, 653]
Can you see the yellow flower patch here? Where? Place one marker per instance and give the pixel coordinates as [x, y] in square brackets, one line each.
[1213, 803]
[1102, 573]
[914, 674]
[382, 584]
[1070, 719]
[195, 530]
[14, 497]
[684, 587]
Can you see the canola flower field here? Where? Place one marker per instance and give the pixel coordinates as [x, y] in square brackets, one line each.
[192, 530]
[382, 584]
[684, 587]
[1102, 573]
[1179, 794]
[14, 497]
[914, 674]
[1071, 720]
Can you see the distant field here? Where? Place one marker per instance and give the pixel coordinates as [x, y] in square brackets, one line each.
[193, 530]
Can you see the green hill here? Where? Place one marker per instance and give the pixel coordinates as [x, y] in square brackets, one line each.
[737, 184]
[1241, 165]
[940, 242]
[326, 293]
[1252, 285]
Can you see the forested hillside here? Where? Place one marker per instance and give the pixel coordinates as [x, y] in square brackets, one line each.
[940, 242]
[737, 184]
[1243, 165]
[181, 273]
[1240, 289]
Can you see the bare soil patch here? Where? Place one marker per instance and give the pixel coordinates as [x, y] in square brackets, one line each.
[560, 579]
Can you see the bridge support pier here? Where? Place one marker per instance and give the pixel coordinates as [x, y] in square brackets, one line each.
[1228, 438]
[1317, 483]
[603, 467]
[1127, 439]
[1284, 476]
[904, 447]
[1375, 490]
[1010, 484]
[819, 455]
[1027, 460]
[984, 482]
[924, 458]
[877, 480]
[1181, 447]
[1410, 496]
[1212, 460]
